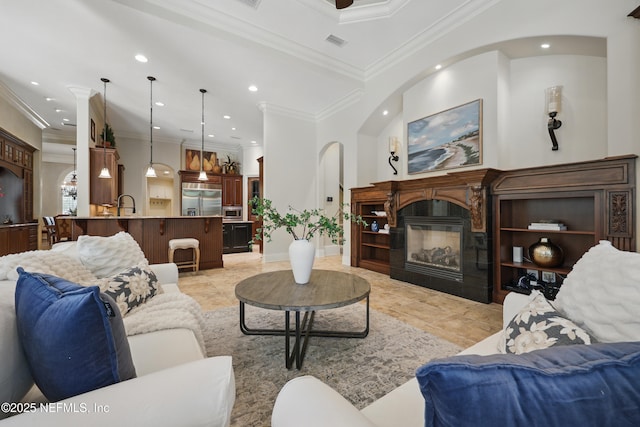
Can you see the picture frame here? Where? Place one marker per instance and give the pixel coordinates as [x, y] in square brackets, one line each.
[192, 160]
[449, 139]
[93, 130]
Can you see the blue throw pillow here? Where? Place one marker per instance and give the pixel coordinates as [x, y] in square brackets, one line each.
[578, 385]
[73, 336]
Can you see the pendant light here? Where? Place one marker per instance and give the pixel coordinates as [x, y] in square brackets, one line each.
[203, 174]
[74, 177]
[151, 173]
[104, 173]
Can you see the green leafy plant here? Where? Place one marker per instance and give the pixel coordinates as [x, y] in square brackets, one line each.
[301, 224]
[110, 137]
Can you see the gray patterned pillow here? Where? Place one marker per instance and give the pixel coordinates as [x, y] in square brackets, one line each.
[130, 288]
[539, 325]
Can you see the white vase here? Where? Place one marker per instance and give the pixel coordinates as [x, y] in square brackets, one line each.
[301, 255]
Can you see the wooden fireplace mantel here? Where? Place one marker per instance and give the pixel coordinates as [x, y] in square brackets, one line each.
[467, 189]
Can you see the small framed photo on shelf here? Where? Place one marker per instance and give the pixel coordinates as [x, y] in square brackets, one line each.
[549, 277]
[533, 273]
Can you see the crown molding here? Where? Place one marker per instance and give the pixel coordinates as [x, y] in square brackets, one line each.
[15, 101]
[266, 107]
[464, 13]
[346, 101]
[358, 13]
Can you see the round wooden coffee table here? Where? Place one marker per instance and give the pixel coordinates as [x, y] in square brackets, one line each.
[278, 290]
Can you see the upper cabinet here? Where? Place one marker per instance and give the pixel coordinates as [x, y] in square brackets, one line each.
[16, 156]
[232, 190]
[104, 191]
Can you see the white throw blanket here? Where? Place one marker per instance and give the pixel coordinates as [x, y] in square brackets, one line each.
[169, 310]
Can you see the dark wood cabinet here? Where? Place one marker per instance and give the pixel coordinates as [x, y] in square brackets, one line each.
[370, 249]
[192, 176]
[103, 191]
[16, 160]
[18, 238]
[236, 237]
[232, 190]
[595, 200]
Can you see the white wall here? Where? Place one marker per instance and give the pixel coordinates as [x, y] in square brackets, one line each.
[290, 170]
[512, 85]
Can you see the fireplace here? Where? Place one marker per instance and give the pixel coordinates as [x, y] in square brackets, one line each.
[433, 245]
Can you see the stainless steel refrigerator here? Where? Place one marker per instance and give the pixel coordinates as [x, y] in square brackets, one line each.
[201, 199]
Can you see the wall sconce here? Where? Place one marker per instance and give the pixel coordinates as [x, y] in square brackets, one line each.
[394, 146]
[553, 100]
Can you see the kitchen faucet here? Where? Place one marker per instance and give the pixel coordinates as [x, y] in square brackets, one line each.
[132, 200]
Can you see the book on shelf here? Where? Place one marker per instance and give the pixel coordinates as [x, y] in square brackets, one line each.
[547, 226]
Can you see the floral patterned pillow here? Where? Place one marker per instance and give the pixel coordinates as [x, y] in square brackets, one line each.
[539, 325]
[130, 288]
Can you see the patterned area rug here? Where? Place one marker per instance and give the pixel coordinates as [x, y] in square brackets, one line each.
[362, 370]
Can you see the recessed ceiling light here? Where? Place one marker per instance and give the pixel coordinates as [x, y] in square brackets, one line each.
[385, 112]
[226, 117]
[49, 99]
[65, 120]
[141, 58]
[545, 45]
[35, 83]
[253, 142]
[439, 66]
[160, 104]
[157, 127]
[233, 128]
[59, 110]
[211, 135]
[166, 172]
[253, 88]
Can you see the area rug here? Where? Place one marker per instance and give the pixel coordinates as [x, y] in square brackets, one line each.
[362, 370]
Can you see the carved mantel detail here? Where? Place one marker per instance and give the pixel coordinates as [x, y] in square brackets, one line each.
[619, 217]
[467, 189]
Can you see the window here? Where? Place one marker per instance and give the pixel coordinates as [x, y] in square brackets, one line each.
[69, 195]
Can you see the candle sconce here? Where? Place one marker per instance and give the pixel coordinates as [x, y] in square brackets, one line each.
[553, 98]
[394, 145]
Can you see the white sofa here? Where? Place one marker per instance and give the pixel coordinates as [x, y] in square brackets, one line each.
[601, 294]
[176, 383]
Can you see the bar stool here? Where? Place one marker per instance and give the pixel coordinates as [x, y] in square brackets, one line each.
[188, 243]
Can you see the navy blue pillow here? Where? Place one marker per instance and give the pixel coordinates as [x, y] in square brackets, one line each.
[73, 336]
[578, 385]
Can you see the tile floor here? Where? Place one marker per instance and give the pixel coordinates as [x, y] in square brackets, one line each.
[455, 319]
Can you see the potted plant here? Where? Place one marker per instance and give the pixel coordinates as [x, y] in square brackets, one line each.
[108, 138]
[230, 166]
[302, 225]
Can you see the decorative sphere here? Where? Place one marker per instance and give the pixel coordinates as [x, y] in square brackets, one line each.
[545, 253]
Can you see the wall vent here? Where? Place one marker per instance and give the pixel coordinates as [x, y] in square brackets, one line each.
[331, 38]
[253, 3]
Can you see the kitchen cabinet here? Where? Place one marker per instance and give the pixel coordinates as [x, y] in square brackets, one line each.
[103, 191]
[236, 236]
[18, 238]
[232, 190]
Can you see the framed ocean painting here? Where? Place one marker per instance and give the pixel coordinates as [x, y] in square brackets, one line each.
[449, 139]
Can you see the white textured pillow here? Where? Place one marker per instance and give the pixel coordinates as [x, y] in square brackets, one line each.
[602, 293]
[46, 262]
[107, 256]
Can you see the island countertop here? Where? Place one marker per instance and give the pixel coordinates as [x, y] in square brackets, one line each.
[153, 234]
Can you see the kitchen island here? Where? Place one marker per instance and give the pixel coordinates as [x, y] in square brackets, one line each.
[153, 234]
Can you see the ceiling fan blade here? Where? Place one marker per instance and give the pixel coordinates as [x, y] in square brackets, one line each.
[341, 4]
